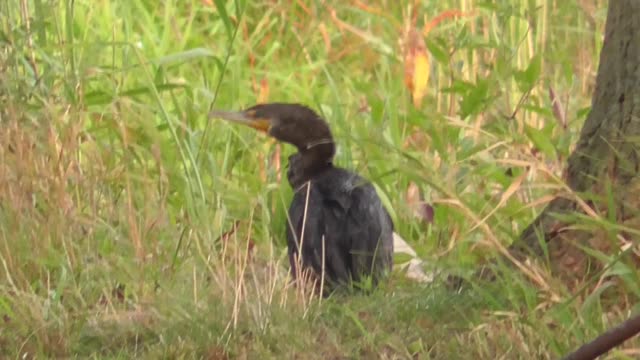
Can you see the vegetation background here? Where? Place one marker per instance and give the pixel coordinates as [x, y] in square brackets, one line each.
[131, 226]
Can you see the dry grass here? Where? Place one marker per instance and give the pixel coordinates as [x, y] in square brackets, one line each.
[129, 227]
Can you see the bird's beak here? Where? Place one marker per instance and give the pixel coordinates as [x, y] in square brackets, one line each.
[243, 117]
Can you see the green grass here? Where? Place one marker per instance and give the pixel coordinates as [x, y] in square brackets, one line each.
[118, 198]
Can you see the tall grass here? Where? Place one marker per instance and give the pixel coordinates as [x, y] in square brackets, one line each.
[131, 226]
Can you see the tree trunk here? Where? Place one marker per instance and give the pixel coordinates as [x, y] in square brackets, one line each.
[607, 149]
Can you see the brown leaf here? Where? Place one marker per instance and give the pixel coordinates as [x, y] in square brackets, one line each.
[364, 107]
[420, 209]
[118, 293]
[417, 140]
[427, 212]
[413, 195]
[277, 164]
[263, 91]
[216, 352]
[558, 113]
[251, 245]
[325, 37]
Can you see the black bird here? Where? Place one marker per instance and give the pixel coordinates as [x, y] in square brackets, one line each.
[337, 224]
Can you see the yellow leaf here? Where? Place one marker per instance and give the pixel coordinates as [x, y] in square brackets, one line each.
[420, 77]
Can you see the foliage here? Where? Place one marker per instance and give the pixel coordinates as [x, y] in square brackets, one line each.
[130, 225]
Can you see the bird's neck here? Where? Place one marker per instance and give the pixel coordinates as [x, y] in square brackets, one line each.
[309, 163]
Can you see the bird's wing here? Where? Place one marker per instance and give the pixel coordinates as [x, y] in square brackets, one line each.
[347, 224]
[321, 235]
[369, 232]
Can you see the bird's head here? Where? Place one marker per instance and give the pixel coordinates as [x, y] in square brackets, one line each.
[291, 123]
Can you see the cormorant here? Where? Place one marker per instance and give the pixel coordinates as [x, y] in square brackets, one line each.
[348, 234]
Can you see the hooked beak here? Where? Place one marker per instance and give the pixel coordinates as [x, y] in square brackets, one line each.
[243, 117]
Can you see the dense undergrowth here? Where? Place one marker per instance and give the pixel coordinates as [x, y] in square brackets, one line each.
[132, 226]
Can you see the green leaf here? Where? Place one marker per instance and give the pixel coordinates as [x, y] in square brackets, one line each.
[100, 97]
[386, 202]
[583, 112]
[474, 101]
[416, 347]
[145, 90]
[459, 87]
[526, 79]
[594, 297]
[401, 258]
[544, 111]
[541, 141]
[222, 11]
[438, 52]
[184, 56]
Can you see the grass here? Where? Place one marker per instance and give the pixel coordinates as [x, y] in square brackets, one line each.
[131, 226]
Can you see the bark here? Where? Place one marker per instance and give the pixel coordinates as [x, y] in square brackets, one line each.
[607, 149]
[607, 341]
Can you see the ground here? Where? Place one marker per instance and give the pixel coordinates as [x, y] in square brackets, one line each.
[131, 226]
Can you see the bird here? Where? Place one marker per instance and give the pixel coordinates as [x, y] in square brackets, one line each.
[339, 233]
